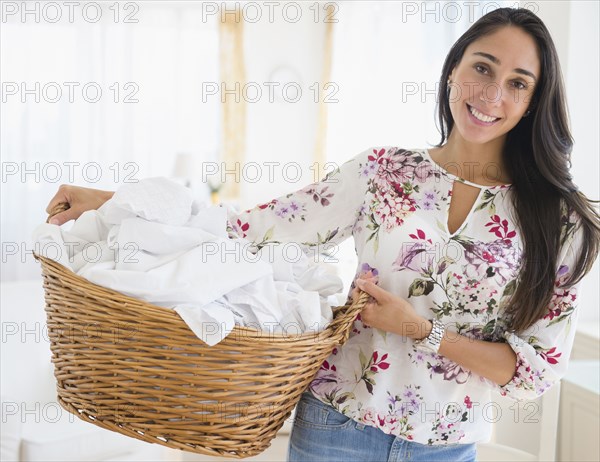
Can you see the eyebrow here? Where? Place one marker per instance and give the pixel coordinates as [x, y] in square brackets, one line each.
[495, 60]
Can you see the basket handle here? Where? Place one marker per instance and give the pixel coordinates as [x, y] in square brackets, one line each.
[345, 316]
[60, 207]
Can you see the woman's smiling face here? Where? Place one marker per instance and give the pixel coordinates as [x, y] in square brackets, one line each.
[493, 84]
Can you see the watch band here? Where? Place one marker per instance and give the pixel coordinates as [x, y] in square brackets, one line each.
[433, 341]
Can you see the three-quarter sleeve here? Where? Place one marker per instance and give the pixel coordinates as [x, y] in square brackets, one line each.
[543, 350]
[317, 216]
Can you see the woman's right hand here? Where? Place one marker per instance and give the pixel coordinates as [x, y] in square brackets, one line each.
[79, 199]
[368, 276]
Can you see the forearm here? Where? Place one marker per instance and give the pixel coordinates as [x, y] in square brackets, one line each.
[107, 195]
[493, 360]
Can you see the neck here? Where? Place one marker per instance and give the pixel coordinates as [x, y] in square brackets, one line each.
[479, 163]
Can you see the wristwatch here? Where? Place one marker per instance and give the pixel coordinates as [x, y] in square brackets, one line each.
[432, 342]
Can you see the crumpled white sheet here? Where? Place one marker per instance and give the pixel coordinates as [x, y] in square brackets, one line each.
[153, 241]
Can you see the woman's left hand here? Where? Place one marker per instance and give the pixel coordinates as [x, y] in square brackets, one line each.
[391, 313]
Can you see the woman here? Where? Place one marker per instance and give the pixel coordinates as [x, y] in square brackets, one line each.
[473, 253]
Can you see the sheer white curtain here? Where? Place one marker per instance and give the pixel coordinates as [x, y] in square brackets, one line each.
[150, 73]
[387, 59]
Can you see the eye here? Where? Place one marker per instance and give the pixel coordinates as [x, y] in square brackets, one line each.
[522, 86]
[477, 67]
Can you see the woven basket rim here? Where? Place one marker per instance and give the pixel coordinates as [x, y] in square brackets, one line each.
[67, 273]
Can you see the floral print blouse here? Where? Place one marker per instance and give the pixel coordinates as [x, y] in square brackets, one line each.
[394, 202]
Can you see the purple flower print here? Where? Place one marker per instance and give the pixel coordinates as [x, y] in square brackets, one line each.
[418, 256]
[369, 168]
[365, 268]
[286, 210]
[408, 393]
[282, 210]
[428, 200]
[498, 259]
[450, 370]
[294, 206]
[326, 382]
[419, 357]
[410, 406]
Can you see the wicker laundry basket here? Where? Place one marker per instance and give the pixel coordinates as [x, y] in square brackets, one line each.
[137, 369]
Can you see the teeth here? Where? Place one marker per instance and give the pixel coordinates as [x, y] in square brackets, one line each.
[478, 115]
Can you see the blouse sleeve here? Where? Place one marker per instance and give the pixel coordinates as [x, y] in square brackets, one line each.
[317, 216]
[543, 350]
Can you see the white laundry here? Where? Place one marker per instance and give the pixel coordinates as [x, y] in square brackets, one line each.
[153, 241]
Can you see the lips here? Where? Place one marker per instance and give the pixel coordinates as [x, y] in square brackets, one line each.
[481, 114]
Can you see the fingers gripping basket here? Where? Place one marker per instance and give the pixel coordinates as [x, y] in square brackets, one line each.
[137, 369]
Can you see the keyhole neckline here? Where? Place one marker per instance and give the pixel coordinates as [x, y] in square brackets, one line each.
[462, 180]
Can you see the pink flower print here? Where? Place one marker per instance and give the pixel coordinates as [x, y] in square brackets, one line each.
[378, 154]
[381, 364]
[327, 367]
[468, 402]
[240, 227]
[500, 228]
[423, 171]
[551, 355]
[392, 170]
[266, 204]
[471, 295]
[390, 204]
[562, 300]
[390, 423]
[369, 416]
[420, 235]
[359, 319]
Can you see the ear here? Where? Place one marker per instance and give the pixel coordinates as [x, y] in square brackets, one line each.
[451, 74]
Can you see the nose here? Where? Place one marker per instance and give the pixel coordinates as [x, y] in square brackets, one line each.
[491, 94]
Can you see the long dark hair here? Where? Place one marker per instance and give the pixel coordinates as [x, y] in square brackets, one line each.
[537, 154]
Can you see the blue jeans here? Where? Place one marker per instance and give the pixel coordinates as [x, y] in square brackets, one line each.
[320, 433]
